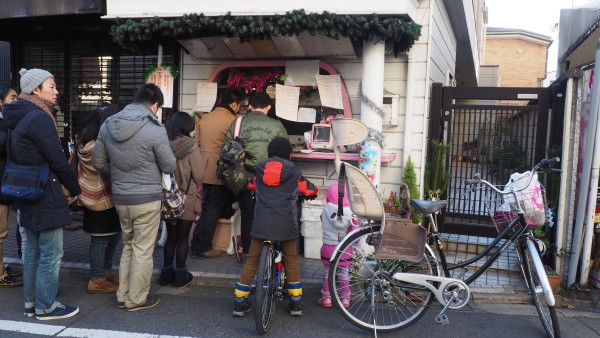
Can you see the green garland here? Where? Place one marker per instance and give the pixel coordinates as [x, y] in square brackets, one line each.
[397, 30]
[167, 65]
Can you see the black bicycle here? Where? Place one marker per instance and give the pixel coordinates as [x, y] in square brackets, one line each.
[388, 294]
[270, 284]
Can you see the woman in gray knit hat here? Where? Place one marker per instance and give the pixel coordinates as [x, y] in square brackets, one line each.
[34, 140]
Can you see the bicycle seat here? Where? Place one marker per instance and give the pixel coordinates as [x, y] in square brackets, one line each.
[428, 207]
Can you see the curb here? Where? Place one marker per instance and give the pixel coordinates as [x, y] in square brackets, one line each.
[478, 295]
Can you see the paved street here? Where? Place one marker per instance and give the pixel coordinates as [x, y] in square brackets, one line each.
[205, 311]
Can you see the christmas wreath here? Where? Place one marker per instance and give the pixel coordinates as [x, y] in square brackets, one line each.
[396, 29]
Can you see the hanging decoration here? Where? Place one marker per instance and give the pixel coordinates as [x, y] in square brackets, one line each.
[254, 83]
[395, 29]
[167, 65]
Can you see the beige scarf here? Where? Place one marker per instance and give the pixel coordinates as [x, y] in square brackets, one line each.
[44, 105]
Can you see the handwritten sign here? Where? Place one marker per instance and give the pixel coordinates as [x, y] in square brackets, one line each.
[206, 96]
[286, 104]
[301, 72]
[163, 79]
[330, 91]
[306, 114]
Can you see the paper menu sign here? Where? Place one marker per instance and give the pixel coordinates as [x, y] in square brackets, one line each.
[286, 104]
[301, 72]
[306, 114]
[330, 91]
[163, 79]
[206, 96]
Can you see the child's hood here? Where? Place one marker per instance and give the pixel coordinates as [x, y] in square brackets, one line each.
[276, 170]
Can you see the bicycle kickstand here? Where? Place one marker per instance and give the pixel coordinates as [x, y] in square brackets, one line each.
[442, 318]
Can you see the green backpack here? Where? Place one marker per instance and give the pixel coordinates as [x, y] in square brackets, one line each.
[230, 167]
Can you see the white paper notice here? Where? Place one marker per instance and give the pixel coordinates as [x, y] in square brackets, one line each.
[301, 73]
[330, 91]
[306, 114]
[206, 96]
[286, 103]
[163, 79]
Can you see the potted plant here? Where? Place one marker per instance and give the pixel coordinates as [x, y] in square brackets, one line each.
[554, 278]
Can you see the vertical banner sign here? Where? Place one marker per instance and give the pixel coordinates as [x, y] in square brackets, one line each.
[164, 80]
[330, 91]
[206, 96]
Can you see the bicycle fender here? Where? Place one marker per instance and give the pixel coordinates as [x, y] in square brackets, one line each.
[537, 261]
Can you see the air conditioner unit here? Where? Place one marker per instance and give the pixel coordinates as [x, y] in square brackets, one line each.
[390, 110]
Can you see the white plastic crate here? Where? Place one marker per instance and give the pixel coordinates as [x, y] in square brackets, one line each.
[312, 247]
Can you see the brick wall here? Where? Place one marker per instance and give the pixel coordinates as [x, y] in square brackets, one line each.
[520, 63]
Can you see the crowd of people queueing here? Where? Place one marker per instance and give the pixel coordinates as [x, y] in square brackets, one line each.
[122, 155]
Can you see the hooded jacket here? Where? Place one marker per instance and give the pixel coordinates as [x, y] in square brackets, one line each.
[34, 140]
[189, 164]
[133, 149]
[277, 184]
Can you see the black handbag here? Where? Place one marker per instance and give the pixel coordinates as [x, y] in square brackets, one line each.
[24, 182]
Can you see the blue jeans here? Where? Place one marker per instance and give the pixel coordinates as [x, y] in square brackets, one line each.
[102, 250]
[41, 266]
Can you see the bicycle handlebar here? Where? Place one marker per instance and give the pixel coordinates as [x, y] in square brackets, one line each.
[544, 165]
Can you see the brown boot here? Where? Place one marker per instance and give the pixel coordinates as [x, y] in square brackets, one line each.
[212, 253]
[101, 285]
[111, 277]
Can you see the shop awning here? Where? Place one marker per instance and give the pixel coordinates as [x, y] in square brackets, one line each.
[302, 45]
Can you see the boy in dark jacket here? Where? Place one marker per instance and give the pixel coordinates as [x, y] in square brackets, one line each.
[277, 183]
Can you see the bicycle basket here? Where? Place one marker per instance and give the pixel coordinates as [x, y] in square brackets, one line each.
[504, 208]
[401, 239]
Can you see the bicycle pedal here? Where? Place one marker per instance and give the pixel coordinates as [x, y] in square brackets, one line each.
[442, 320]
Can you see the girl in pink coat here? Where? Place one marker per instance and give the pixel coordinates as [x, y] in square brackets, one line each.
[334, 230]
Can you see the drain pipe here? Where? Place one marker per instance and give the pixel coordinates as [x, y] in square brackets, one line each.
[589, 187]
[410, 66]
[565, 163]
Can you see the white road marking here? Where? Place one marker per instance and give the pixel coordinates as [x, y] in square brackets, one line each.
[63, 331]
[43, 329]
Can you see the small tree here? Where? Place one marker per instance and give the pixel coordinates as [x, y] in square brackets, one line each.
[436, 176]
[409, 177]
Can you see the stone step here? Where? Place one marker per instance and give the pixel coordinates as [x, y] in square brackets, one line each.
[507, 262]
[467, 243]
[460, 248]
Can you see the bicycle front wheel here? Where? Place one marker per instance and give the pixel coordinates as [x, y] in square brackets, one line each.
[362, 286]
[265, 289]
[534, 277]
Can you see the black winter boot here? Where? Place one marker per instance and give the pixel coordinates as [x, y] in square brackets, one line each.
[167, 276]
[182, 278]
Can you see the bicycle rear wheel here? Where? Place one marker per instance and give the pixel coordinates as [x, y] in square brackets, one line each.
[265, 289]
[376, 300]
[534, 277]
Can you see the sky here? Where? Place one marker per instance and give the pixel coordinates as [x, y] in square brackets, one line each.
[538, 16]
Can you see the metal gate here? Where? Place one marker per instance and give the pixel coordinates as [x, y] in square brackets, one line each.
[493, 132]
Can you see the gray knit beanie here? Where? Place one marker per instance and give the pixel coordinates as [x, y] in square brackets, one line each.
[33, 78]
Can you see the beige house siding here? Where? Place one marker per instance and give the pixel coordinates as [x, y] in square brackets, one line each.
[520, 63]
